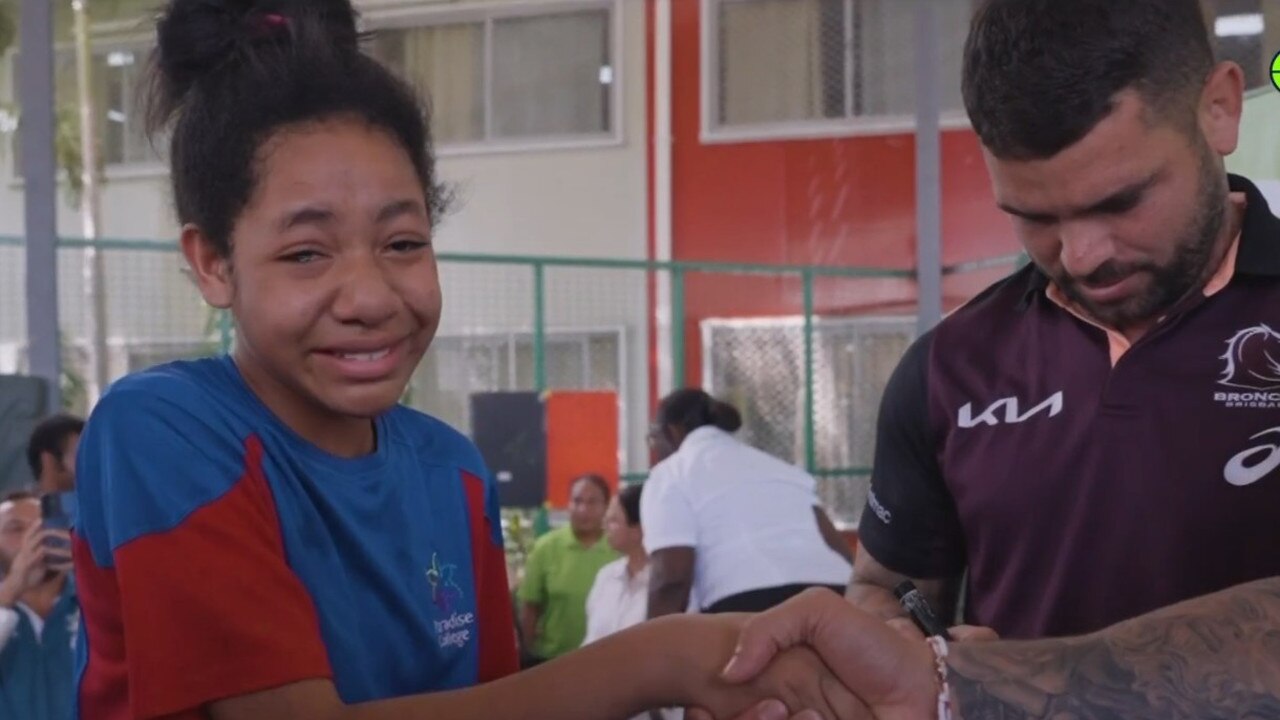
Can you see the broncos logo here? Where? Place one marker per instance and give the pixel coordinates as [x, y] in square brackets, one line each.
[1253, 359]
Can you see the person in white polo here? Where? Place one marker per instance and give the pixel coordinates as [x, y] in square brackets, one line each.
[620, 596]
[739, 528]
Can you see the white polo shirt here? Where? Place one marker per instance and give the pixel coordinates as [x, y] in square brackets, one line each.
[747, 515]
[617, 601]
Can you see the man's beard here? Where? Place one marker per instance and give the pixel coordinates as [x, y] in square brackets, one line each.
[1170, 283]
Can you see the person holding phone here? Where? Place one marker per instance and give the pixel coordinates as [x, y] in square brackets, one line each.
[39, 612]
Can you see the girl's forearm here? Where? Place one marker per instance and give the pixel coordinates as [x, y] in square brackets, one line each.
[670, 662]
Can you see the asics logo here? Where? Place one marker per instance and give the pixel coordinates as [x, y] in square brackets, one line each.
[1250, 466]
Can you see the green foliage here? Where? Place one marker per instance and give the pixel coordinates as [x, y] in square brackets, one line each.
[68, 153]
[213, 331]
[8, 24]
[518, 536]
[75, 389]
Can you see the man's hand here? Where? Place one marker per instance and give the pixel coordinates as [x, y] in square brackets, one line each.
[973, 633]
[893, 676]
[33, 563]
[796, 684]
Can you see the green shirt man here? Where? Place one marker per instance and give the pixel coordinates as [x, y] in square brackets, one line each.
[558, 576]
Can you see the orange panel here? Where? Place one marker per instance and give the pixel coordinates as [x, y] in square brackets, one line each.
[582, 437]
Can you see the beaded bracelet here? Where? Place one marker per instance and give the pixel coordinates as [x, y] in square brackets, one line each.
[939, 647]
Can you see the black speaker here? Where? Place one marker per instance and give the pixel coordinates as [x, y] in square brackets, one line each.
[509, 428]
[23, 403]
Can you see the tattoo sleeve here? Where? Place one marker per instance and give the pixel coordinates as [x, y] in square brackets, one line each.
[1213, 657]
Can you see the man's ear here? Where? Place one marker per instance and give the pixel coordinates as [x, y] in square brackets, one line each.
[210, 269]
[1221, 107]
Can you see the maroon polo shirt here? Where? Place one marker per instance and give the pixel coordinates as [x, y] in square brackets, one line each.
[1081, 482]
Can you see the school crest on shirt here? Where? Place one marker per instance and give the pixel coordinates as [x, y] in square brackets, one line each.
[445, 592]
[453, 629]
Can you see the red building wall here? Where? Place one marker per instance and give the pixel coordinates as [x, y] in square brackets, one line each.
[832, 202]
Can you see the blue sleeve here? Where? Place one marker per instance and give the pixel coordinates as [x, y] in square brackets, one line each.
[183, 584]
[148, 457]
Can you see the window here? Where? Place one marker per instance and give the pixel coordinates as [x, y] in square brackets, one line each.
[758, 364]
[118, 78]
[117, 83]
[510, 78]
[1244, 32]
[793, 64]
[459, 365]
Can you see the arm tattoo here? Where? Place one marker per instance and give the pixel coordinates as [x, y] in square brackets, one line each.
[1211, 658]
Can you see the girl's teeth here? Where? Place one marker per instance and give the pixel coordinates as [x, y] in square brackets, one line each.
[365, 357]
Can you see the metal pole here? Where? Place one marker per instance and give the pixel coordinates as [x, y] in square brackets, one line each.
[663, 302]
[35, 92]
[92, 270]
[810, 439]
[677, 330]
[539, 327]
[928, 169]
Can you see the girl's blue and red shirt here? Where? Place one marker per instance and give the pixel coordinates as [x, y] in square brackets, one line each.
[220, 554]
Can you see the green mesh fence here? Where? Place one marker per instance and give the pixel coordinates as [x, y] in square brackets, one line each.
[798, 349]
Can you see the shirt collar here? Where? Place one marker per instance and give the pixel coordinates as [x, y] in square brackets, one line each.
[1259, 232]
[640, 578]
[617, 572]
[576, 544]
[1257, 251]
[703, 434]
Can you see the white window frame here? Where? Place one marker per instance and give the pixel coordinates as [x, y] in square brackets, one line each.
[12, 355]
[871, 324]
[380, 16]
[106, 38]
[712, 133]
[141, 46]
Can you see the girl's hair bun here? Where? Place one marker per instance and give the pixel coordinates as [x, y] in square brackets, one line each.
[198, 40]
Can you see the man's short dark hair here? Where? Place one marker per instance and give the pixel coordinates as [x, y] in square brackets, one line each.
[1039, 75]
[50, 436]
[597, 480]
[629, 499]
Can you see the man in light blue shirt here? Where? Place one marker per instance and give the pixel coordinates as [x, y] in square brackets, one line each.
[39, 615]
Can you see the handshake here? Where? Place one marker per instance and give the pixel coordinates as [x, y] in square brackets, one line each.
[816, 657]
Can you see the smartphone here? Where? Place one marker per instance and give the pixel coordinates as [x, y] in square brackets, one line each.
[55, 513]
